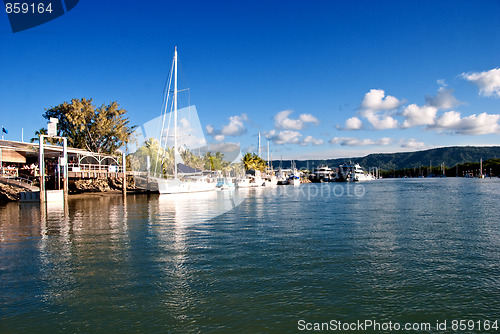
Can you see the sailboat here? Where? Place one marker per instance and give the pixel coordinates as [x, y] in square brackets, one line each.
[183, 184]
[293, 178]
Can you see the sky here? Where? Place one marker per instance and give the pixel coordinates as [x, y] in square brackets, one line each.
[317, 79]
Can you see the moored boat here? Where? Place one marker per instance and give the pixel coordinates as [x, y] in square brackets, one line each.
[353, 173]
[322, 174]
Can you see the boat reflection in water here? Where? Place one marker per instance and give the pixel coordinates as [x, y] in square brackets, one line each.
[192, 208]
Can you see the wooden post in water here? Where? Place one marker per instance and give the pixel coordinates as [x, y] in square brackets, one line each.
[41, 168]
[65, 166]
[124, 171]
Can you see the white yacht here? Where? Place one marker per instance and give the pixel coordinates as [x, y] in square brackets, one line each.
[322, 174]
[251, 181]
[354, 173]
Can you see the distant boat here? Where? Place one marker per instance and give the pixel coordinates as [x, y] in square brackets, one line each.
[353, 173]
[270, 180]
[282, 180]
[184, 184]
[225, 183]
[294, 178]
[322, 174]
[481, 175]
[251, 180]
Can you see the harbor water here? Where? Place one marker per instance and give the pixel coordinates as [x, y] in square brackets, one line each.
[280, 260]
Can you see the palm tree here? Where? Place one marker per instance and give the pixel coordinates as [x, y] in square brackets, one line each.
[39, 132]
[253, 161]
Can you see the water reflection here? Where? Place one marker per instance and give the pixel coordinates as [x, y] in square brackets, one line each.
[406, 250]
[192, 208]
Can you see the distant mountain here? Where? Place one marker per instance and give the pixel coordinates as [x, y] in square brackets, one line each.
[451, 156]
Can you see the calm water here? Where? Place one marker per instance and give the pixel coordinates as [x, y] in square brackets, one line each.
[406, 251]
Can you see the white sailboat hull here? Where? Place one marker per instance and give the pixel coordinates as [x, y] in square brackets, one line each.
[176, 186]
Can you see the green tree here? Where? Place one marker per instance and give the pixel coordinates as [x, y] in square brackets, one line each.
[253, 161]
[101, 129]
[161, 160]
[43, 131]
[215, 161]
[191, 159]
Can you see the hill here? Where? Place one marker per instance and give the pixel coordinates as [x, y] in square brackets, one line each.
[451, 156]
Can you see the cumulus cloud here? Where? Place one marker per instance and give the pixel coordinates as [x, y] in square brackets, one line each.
[471, 125]
[235, 127]
[291, 137]
[411, 143]
[282, 121]
[355, 141]
[210, 129]
[375, 106]
[415, 115]
[380, 122]
[353, 123]
[219, 137]
[311, 140]
[488, 81]
[444, 99]
[375, 100]
[283, 137]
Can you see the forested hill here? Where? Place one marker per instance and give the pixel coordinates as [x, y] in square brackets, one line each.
[451, 156]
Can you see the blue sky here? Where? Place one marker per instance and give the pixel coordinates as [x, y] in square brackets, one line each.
[320, 79]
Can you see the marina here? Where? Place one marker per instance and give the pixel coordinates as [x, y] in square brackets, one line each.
[250, 167]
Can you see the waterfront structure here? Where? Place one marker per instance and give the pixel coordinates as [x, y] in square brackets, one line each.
[20, 164]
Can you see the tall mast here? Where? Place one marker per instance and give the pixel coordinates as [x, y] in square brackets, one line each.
[268, 162]
[259, 144]
[175, 112]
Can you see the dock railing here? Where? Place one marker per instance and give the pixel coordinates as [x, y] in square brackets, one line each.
[72, 167]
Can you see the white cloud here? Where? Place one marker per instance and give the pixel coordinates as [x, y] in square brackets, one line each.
[311, 140]
[236, 127]
[441, 82]
[308, 118]
[415, 115]
[355, 141]
[283, 137]
[375, 106]
[411, 143]
[210, 129]
[353, 123]
[380, 122]
[488, 81]
[375, 99]
[281, 120]
[219, 137]
[444, 99]
[471, 125]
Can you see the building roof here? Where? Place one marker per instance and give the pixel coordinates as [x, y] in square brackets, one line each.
[32, 149]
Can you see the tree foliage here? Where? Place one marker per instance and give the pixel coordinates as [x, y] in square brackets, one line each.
[253, 161]
[101, 129]
[43, 131]
[162, 160]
